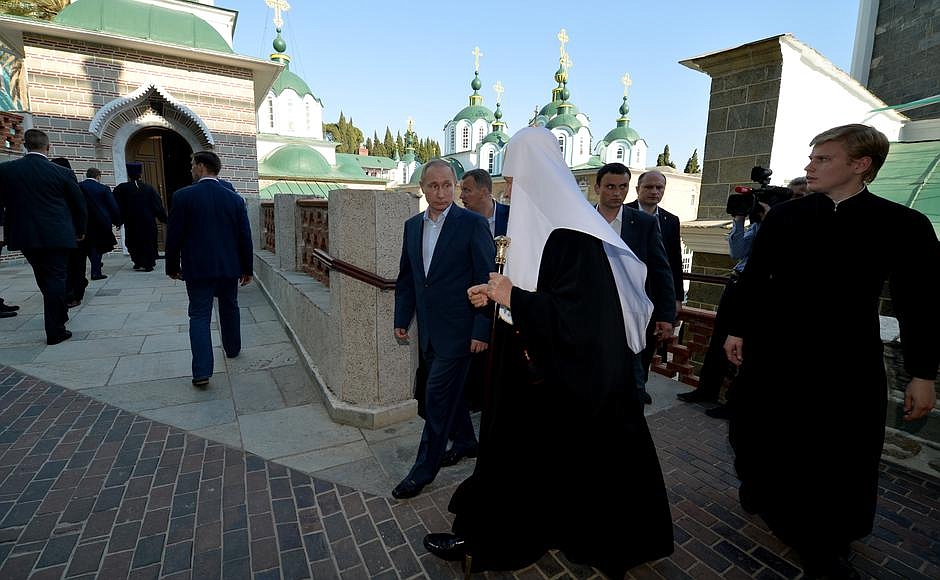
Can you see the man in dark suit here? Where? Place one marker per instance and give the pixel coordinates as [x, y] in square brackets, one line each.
[476, 194]
[45, 218]
[445, 250]
[208, 244]
[141, 207]
[650, 187]
[641, 232]
[6, 310]
[102, 214]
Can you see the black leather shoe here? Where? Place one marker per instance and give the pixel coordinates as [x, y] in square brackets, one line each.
[7, 313]
[8, 307]
[647, 399]
[202, 382]
[452, 457]
[407, 489]
[61, 338]
[446, 546]
[99, 277]
[697, 396]
[719, 412]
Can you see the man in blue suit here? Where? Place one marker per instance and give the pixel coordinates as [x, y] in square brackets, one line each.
[102, 214]
[641, 232]
[445, 250]
[208, 232]
[45, 219]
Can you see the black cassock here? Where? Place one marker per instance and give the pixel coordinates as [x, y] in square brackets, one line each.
[140, 207]
[811, 399]
[567, 462]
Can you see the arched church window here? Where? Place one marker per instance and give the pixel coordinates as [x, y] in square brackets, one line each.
[309, 116]
[290, 115]
[480, 133]
[581, 146]
[452, 133]
[491, 161]
[561, 144]
[271, 112]
[619, 155]
[465, 138]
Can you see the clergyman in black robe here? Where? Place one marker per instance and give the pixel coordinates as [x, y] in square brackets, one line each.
[809, 417]
[141, 207]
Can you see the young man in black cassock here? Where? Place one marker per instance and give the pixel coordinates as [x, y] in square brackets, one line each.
[809, 406]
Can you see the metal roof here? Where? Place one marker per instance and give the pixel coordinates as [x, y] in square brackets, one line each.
[911, 177]
[316, 188]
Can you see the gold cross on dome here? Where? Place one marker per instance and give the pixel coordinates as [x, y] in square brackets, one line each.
[278, 5]
[411, 124]
[563, 39]
[626, 81]
[566, 62]
[476, 57]
[498, 89]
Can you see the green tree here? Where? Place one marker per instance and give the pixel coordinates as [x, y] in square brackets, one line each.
[345, 133]
[662, 160]
[399, 144]
[389, 142]
[378, 149]
[691, 166]
[42, 9]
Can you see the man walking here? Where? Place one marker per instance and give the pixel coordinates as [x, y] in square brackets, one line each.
[445, 250]
[208, 244]
[140, 208]
[102, 214]
[45, 219]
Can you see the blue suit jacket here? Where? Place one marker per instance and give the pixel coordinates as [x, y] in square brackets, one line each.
[641, 233]
[502, 219]
[463, 256]
[669, 227]
[208, 232]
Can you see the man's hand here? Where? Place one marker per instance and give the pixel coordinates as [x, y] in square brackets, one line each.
[919, 398]
[477, 346]
[477, 295]
[401, 335]
[663, 332]
[734, 348]
[499, 289]
[245, 280]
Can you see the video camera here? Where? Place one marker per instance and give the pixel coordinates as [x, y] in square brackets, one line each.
[745, 198]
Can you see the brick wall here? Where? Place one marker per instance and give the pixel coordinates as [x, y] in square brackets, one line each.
[905, 55]
[70, 81]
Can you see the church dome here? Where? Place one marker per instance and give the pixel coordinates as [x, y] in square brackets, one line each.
[565, 120]
[288, 80]
[144, 21]
[294, 161]
[474, 112]
[497, 137]
[625, 132]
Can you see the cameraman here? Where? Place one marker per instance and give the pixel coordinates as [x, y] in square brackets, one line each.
[716, 367]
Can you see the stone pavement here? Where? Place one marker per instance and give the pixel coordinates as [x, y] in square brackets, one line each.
[112, 465]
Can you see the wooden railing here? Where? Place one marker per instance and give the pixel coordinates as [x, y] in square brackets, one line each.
[267, 225]
[331, 263]
[686, 353]
[315, 235]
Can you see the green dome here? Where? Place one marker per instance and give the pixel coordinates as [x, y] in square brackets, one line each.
[145, 21]
[295, 161]
[624, 132]
[474, 112]
[569, 121]
[497, 137]
[416, 176]
[288, 80]
[551, 109]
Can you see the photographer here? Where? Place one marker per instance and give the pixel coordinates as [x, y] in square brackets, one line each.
[716, 367]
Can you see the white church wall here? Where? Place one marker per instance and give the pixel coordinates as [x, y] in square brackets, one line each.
[638, 154]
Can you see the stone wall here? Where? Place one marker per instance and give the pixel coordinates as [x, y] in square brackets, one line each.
[69, 81]
[905, 54]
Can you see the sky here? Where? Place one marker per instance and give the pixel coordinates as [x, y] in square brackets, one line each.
[383, 62]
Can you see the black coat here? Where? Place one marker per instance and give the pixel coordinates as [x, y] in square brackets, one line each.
[102, 214]
[44, 206]
[669, 227]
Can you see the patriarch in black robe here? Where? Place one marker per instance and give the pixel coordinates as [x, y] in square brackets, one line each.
[566, 459]
[809, 406]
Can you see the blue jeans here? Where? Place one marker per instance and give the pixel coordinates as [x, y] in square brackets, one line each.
[201, 293]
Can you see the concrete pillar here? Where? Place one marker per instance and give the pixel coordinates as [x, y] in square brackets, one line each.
[286, 240]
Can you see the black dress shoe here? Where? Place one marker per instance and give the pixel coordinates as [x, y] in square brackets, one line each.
[203, 382]
[719, 412]
[7, 313]
[99, 277]
[697, 396]
[446, 546]
[62, 337]
[8, 307]
[647, 399]
[407, 489]
[453, 457]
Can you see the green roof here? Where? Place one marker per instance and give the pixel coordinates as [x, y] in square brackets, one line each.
[288, 80]
[497, 137]
[315, 188]
[625, 132]
[372, 161]
[144, 21]
[569, 121]
[301, 161]
[911, 177]
[474, 112]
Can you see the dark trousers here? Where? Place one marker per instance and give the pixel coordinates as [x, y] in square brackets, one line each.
[75, 280]
[201, 294]
[715, 366]
[446, 414]
[50, 266]
[94, 257]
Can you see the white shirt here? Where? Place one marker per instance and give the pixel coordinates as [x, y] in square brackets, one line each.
[429, 235]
